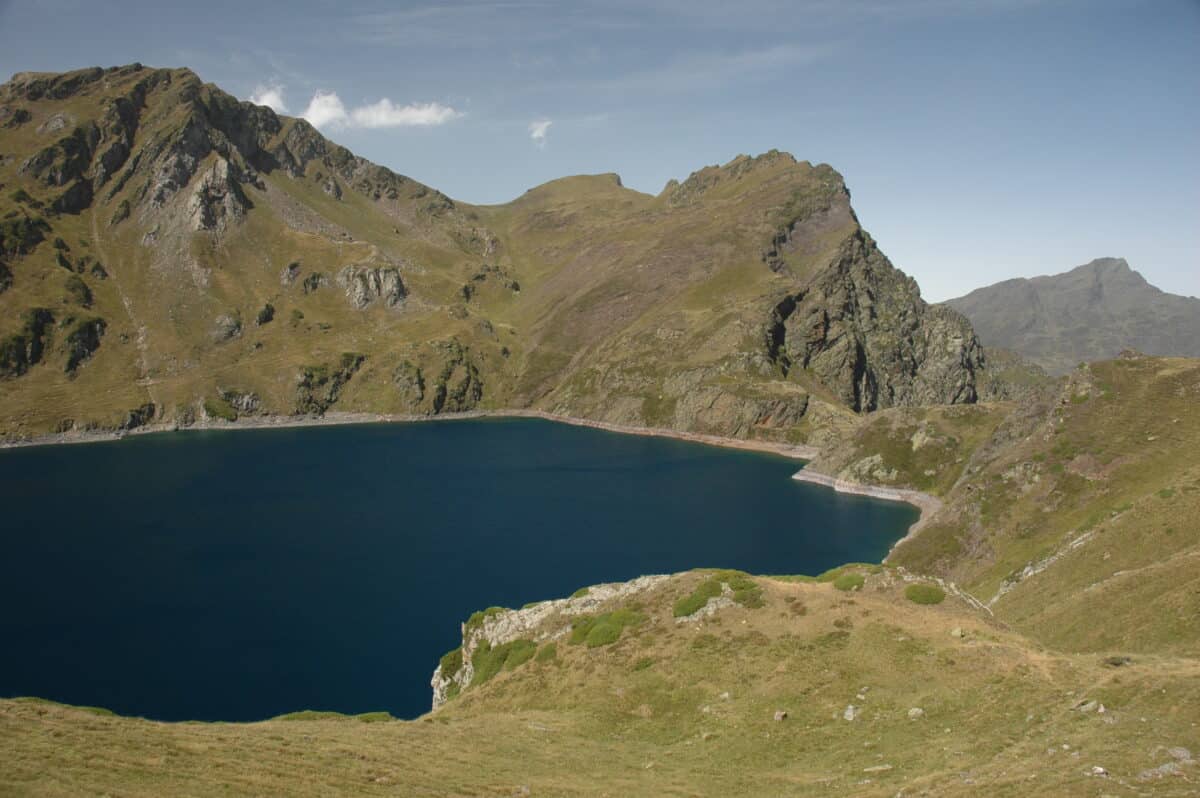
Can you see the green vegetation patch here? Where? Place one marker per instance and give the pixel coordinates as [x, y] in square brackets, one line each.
[479, 616]
[745, 592]
[489, 661]
[604, 629]
[850, 581]
[451, 663]
[219, 408]
[581, 592]
[312, 714]
[547, 653]
[374, 717]
[709, 588]
[925, 594]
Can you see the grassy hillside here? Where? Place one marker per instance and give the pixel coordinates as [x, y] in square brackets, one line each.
[194, 257]
[943, 700]
[1083, 498]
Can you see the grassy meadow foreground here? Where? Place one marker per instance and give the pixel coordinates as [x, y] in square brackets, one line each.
[942, 699]
[925, 676]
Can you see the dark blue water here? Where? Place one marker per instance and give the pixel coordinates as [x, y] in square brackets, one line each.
[241, 575]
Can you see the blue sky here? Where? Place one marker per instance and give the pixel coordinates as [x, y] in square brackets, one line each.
[981, 140]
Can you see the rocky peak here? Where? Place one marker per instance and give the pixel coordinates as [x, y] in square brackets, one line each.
[862, 328]
[704, 180]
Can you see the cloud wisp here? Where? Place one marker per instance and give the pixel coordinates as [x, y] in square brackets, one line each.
[327, 110]
[270, 95]
[538, 129]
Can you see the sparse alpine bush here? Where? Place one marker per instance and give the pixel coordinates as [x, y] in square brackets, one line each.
[924, 594]
[488, 660]
[479, 616]
[604, 629]
[451, 663]
[849, 581]
[709, 588]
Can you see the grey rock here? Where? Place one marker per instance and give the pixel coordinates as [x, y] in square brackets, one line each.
[217, 199]
[289, 273]
[245, 402]
[364, 285]
[862, 328]
[227, 327]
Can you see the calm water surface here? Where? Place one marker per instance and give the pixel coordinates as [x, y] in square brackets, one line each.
[241, 575]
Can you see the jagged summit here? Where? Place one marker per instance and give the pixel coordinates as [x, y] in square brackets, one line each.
[225, 259]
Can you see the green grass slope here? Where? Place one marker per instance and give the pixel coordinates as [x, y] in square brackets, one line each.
[941, 700]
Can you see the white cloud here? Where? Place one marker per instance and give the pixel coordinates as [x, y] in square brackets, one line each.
[537, 131]
[326, 109]
[387, 114]
[270, 95]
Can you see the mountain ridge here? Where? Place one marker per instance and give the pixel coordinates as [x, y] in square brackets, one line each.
[745, 300]
[1088, 313]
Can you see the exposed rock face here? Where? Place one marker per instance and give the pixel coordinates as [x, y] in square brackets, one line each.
[314, 281]
[1089, 313]
[364, 285]
[546, 620]
[217, 199]
[861, 327]
[289, 273]
[244, 402]
[20, 351]
[139, 416]
[410, 384]
[226, 327]
[318, 387]
[458, 386]
[82, 341]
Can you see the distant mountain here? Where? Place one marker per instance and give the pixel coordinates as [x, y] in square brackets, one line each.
[1089, 313]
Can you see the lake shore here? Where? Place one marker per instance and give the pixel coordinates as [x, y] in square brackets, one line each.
[795, 451]
[925, 503]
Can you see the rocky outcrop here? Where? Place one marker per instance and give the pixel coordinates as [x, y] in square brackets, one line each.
[82, 340]
[289, 273]
[139, 417]
[217, 200]
[489, 275]
[410, 384]
[861, 327]
[246, 403]
[227, 327]
[318, 387]
[364, 286]
[545, 620]
[458, 386]
[23, 349]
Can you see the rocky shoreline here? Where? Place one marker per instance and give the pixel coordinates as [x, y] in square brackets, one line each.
[796, 451]
[927, 505]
